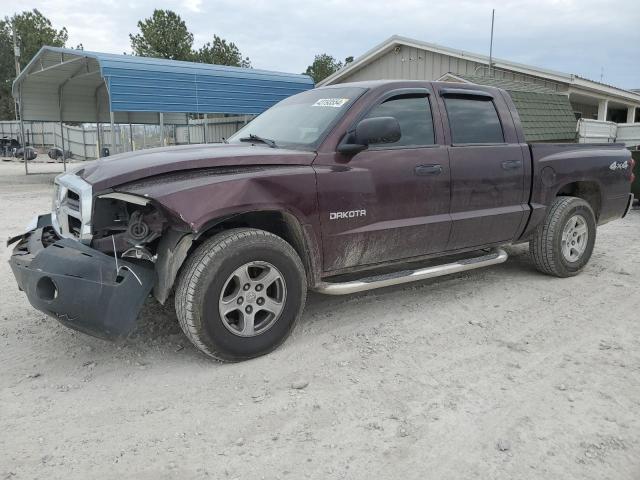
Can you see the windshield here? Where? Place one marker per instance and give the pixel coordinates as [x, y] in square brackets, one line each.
[300, 121]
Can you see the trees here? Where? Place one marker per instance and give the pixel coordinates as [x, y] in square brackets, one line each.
[221, 52]
[324, 65]
[166, 35]
[33, 30]
[163, 35]
[7, 72]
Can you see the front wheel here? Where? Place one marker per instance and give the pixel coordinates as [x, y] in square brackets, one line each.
[240, 294]
[563, 244]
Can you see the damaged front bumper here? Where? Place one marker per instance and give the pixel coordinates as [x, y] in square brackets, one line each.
[83, 288]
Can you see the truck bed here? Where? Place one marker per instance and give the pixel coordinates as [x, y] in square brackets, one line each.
[599, 170]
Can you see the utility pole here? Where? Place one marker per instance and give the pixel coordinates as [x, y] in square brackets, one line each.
[16, 55]
[493, 14]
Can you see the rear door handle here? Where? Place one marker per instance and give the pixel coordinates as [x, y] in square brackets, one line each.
[423, 170]
[511, 164]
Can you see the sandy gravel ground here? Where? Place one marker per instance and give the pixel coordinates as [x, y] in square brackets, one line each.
[501, 373]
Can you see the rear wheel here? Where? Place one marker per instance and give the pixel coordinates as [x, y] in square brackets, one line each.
[240, 294]
[563, 244]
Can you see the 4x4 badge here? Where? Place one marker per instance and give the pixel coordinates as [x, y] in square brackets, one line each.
[619, 165]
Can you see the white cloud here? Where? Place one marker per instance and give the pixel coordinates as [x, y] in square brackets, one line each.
[574, 36]
[193, 5]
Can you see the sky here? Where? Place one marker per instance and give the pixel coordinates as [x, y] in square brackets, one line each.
[599, 40]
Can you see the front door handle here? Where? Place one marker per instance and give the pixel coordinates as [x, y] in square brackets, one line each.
[511, 164]
[423, 170]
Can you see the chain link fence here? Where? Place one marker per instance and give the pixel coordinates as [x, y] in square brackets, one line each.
[81, 140]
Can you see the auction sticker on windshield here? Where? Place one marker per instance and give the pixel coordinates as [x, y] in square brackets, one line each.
[330, 102]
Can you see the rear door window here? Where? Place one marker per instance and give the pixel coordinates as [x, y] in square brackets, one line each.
[473, 121]
[413, 113]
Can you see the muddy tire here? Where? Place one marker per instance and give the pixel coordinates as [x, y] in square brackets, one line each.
[240, 294]
[562, 245]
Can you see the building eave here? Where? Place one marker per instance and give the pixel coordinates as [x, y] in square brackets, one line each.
[605, 90]
[362, 60]
[447, 76]
[560, 77]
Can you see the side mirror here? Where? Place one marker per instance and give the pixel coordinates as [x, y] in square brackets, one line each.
[371, 131]
[378, 130]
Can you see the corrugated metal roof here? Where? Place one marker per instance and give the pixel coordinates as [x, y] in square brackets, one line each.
[545, 115]
[141, 84]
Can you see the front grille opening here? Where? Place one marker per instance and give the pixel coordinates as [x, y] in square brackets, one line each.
[74, 226]
[74, 204]
[71, 195]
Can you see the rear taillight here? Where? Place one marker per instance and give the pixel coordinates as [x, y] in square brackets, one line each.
[632, 176]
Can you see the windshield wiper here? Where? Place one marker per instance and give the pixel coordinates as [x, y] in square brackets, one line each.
[256, 138]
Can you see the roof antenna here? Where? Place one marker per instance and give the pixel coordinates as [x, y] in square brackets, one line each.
[16, 55]
[601, 74]
[493, 14]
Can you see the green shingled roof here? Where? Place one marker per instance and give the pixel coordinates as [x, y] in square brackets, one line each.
[545, 115]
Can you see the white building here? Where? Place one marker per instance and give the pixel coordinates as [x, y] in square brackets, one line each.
[404, 58]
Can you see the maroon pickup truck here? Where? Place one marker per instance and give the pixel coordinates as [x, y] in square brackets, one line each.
[338, 190]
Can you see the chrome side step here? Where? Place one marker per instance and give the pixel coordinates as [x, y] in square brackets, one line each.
[496, 256]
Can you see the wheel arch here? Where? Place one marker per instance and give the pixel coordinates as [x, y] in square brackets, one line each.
[279, 222]
[588, 191]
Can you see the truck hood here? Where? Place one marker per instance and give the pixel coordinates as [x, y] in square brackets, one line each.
[112, 171]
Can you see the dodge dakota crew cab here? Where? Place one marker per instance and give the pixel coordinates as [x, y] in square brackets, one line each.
[338, 190]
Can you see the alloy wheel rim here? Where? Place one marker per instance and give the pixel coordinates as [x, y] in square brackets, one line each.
[575, 237]
[252, 299]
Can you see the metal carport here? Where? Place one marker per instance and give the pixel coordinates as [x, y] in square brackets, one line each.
[64, 85]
